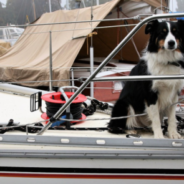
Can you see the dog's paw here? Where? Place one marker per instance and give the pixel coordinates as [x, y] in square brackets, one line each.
[173, 134]
[158, 135]
[131, 131]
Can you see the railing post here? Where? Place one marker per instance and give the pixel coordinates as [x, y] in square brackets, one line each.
[50, 6]
[50, 48]
[72, 75]
[91, 70]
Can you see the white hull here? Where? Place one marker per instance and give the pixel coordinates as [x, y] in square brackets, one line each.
[83, 156]
[95, 170]
[30, 179]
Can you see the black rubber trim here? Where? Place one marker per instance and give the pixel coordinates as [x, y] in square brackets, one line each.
[93, 170]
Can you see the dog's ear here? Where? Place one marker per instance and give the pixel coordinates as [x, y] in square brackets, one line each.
[151, 26]
[181, 23]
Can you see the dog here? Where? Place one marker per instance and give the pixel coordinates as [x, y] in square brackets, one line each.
[155, 98]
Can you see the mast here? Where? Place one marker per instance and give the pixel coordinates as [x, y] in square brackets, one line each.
[34, 10]
[50, 7]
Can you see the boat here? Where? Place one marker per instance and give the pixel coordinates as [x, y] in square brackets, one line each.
[32, 150]
[10, 34]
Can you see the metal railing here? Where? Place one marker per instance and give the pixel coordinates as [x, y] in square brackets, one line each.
[76, 22]
[138, 78]
[108, 58]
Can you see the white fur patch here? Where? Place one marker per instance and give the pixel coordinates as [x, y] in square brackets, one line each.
[131, 122]
[167, 89]
[162, 57]
[170, 37]
[158, 65]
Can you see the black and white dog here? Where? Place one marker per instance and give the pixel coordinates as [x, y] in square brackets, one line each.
[164, 56]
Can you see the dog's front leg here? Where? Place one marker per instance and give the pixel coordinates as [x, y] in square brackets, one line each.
[154, 116]
[172, 131]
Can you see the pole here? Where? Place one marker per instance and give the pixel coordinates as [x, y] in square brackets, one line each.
[50, 83]
[91, 53]
[91, 70]
[72, 75]
[50, 7]
[34, 10]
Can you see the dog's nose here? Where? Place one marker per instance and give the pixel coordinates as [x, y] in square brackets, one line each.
[171, 43]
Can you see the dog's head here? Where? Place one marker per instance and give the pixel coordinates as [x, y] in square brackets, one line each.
[167, 36]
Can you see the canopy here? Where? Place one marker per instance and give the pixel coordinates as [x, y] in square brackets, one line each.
[4, 46]
[29, 60]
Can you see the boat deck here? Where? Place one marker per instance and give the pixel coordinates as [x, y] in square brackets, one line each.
[17, 107]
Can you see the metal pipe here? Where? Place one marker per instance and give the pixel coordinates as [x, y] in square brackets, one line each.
[139, 78]
[34, 10]
[20, 89]
[135, 47]
[87, 21]
[50, 82]
[72, 75]
[91, 70]
[84, 21]
[106, 60]
[50, 7]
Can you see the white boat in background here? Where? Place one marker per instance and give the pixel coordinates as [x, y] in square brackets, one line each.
[10, 34]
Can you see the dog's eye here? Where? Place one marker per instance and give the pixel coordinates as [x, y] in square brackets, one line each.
[164, 30]
[174, 30]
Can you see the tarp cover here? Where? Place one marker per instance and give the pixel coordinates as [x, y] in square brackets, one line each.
[28, 59]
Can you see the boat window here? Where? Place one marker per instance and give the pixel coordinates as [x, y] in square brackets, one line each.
[7, 34]
[1, 34]
[14, 35]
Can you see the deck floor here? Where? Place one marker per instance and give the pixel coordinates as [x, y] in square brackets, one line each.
[18, 108]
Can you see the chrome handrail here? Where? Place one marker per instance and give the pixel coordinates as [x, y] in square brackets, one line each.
[106, 60]
[137, 78]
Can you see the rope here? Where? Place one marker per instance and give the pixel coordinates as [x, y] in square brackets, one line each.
[75, 109]
[96, 119]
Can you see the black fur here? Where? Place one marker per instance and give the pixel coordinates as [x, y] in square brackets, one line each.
[134, 93]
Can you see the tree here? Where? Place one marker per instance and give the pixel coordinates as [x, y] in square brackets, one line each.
[16, 11]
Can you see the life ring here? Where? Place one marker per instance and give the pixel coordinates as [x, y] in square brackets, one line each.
[56, 97]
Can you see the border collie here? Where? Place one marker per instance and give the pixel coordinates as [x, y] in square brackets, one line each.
[163, 56]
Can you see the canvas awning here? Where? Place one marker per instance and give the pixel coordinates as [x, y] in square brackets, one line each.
[28, 59]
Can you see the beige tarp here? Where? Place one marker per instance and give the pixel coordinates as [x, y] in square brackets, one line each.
[28, 59]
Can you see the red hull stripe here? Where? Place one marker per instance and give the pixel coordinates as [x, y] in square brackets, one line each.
[81, 176]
